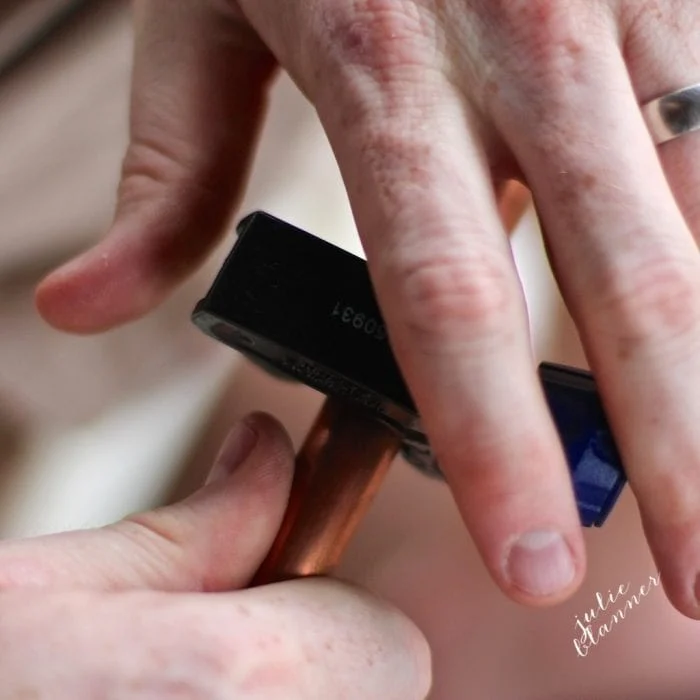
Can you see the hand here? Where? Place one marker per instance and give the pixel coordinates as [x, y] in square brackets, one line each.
[427, 104]
[141, 609]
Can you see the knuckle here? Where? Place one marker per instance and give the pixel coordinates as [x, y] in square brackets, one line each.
[502, 474]
[547, 31]
[199, 658]
[270, 664]
[455, 297]
[393, 158]
[159, 542]
[657, 299]
[379, 36]
[153, 529]
[650, 20]
[551, 46]
[152, 169]
[204, 670]
[148, 160]
[215, 652]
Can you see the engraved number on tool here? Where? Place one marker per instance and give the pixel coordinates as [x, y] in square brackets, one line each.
[361, 322]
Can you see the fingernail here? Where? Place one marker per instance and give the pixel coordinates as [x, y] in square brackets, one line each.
[236, 448]
[540, 563]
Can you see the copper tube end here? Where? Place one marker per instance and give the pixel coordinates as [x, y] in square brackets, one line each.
[338, 471]
[513, 200]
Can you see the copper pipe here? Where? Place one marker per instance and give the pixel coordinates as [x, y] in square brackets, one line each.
[513, 200]
[340, 468]
[338, 472]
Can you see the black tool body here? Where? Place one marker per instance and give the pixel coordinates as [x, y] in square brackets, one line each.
[306, 309]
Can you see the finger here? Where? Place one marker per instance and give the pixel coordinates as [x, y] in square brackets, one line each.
[309, 639]
[660, 60]
[199, 90]
[629, 270]
[457, 319]
[214, 540]
[444, 275]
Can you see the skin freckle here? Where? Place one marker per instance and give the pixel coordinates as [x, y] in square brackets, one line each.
[589, 181]
[625, 348]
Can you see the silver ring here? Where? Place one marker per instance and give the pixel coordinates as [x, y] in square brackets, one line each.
[673, 115]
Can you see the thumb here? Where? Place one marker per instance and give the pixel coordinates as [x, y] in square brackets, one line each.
[213, 541]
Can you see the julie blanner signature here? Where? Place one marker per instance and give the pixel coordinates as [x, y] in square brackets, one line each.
[612, 608]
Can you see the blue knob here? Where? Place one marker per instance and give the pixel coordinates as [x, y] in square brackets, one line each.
[596, 468]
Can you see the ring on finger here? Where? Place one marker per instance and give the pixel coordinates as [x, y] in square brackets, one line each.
[674, 114]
